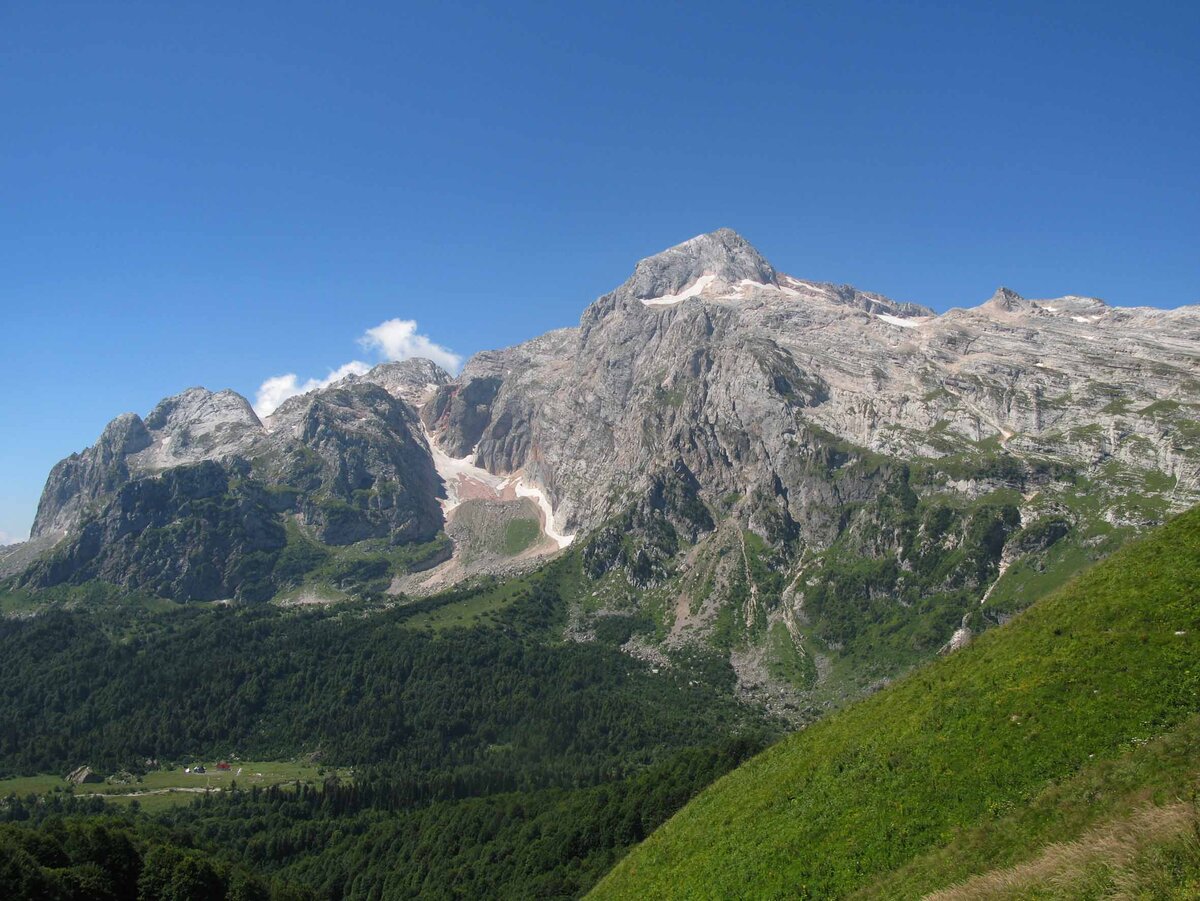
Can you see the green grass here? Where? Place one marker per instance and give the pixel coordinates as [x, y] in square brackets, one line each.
[15, 601]
[787, 661]
[307, 567]
[168, 787]
[1034, 578]
[1082, 677]
[1157, 773]
[520, 534]
[479, 608]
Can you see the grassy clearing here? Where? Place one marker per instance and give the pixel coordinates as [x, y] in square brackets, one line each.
[787, 660]
[1099, 668]
[479, 608]
[168, 787]
[520, 535]
[16, 601]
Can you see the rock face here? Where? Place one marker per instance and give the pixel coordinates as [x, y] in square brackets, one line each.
[82, 479]
[409, 380]
[83, 775]
[709, 362]
[188, 533]
[357, 463]
[190, 503]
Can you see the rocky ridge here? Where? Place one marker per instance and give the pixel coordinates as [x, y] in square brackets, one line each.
[810, 479]
[346, 464]
[709, 356]
[711, 397]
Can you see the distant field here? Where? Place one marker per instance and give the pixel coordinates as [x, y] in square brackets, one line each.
[163, 788]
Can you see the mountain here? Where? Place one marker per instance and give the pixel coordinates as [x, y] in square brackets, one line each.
[710, 360]
[1056, 757]
[192, 502]
[512, 615]
[822, 484]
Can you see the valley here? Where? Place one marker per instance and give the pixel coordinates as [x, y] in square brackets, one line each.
[746, 581]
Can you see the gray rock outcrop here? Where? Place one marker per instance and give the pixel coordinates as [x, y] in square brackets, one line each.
[187, 503]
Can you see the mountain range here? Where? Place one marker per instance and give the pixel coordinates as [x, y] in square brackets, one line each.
[822, 484]
[746, 586]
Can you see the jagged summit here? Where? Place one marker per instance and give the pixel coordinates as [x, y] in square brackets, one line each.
[722, 255]
[1005, 299]
[409, 379]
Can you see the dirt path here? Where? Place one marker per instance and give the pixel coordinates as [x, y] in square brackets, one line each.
[149, 791]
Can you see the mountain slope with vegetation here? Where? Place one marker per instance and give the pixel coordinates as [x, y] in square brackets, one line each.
[1083, 679]
[818, 482]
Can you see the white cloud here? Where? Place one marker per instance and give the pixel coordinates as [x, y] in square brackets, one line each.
[395, 339]
[9, 538]
[279, 388]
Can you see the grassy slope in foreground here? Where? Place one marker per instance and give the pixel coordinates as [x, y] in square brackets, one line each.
[1099, 666]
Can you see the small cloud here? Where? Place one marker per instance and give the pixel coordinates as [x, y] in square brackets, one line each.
[279, 388]
[395, 339]
[7, 538]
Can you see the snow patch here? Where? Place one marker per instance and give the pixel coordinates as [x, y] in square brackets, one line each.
[896, 320]
[526, 489]
[465, 480]
[691, 291]
[803, 286]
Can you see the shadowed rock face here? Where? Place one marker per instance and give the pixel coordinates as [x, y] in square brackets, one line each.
[82, 479]
[357, 464]
[188, 502]
[183, 534]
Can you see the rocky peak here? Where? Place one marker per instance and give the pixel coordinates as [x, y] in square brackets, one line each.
[1005, 300]
[723, 256]
[197, 406]
[123, 436]
[409, 380]
[198, 424]
[77, 481]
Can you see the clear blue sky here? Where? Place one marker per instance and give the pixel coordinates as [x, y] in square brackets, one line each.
[206, 193]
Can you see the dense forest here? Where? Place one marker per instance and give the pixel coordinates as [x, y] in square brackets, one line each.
[454, 712]
[347, 840]
[489, 758]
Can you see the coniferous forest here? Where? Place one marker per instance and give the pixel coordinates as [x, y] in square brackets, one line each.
[489, 759]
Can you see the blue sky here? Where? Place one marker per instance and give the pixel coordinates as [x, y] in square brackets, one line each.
[219, 193]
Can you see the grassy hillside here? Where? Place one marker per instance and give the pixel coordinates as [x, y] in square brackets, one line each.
[1083, 682]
